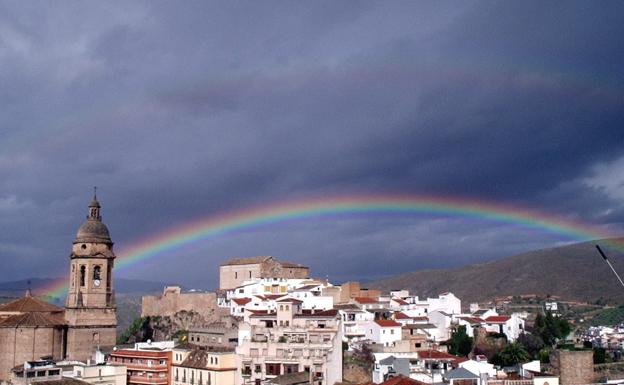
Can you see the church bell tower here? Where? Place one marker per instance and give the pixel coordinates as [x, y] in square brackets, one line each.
[90, 310]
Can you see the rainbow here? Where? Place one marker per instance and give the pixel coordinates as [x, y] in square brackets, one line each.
[264, 215]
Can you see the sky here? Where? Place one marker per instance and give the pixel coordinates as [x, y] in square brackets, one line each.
[179, 111]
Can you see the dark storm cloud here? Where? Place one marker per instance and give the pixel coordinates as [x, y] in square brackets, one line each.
[177, 112]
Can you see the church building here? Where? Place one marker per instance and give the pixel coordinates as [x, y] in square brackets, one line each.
[31, 329]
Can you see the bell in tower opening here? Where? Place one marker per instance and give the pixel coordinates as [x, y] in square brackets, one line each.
[90, 306]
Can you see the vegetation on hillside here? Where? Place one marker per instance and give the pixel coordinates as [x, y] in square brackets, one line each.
[573, 272]
[138, 331]
[608, 317]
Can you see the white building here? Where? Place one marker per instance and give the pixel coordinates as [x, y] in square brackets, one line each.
[384, 332]
[289, 340]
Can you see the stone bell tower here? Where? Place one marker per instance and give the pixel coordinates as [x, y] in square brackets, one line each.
[90, 310]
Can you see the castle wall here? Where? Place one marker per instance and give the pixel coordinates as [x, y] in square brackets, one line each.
[173, 301]
[573, 367]
[232, 276]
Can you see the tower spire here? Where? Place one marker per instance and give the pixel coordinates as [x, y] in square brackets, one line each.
[94, 207]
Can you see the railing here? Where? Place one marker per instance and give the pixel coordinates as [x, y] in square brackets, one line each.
[132, 365]
[147, 380]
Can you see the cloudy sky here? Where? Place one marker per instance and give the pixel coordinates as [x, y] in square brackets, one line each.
[178, 111]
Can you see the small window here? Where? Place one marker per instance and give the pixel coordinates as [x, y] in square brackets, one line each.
[96, 272]
[83, 273]
[235, 275]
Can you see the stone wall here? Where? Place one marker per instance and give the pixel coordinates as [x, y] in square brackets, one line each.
[573, 367]
[233, 275]
[26, 344]
[173, 301]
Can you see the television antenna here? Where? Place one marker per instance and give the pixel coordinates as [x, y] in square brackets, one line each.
[610, 265]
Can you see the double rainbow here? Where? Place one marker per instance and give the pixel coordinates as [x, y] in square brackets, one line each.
[245, 219]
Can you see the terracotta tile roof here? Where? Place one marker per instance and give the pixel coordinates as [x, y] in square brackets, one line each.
[242, 301]
[290, 300]
[400, 301]
[386, 323]
[29, 304]
[366, 300]
[274, 296]
[497, 319]
[197, 359]
[401, 315]
[34, 319]
[402, 380]
[437, 355]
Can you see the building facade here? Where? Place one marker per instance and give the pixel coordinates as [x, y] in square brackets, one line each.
[148, 363]
[290, 340]
[193, 365]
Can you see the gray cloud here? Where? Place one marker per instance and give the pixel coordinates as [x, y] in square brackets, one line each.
[177, 112]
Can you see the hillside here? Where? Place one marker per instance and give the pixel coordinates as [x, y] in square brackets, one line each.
[575, 272]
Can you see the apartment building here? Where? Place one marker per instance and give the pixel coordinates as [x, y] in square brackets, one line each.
[290, 340]
[195, 365]
[148, 363]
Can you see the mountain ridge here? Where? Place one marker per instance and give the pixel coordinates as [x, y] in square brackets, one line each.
[574, 272]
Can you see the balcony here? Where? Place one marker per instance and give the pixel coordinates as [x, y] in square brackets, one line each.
[147, 380]
[144, 367]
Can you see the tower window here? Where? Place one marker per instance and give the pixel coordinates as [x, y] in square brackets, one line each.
[83, 246]
[83, 272]
[96, 272]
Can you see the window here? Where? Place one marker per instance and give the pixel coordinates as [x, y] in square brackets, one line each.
[83, 272]
[273, 369]
[96, 272]
[41, 373]
[235, 275]
[249, 273]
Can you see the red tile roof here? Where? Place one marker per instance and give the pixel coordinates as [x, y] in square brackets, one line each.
[29, 304]
[438, 355]
[401, 315]
[366, 300]
[242, 301]
[386, 323]
[498, 319]
[400, 301]
[33, 319]
[274, 296]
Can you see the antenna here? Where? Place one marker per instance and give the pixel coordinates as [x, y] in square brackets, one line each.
[609, 263]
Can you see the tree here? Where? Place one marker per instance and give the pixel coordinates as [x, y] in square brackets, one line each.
[531, 343]
[600, 355]
[460, 343]
[513, 354]
[551, 328]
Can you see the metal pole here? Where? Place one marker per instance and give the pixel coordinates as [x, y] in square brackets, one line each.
[610, 265]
